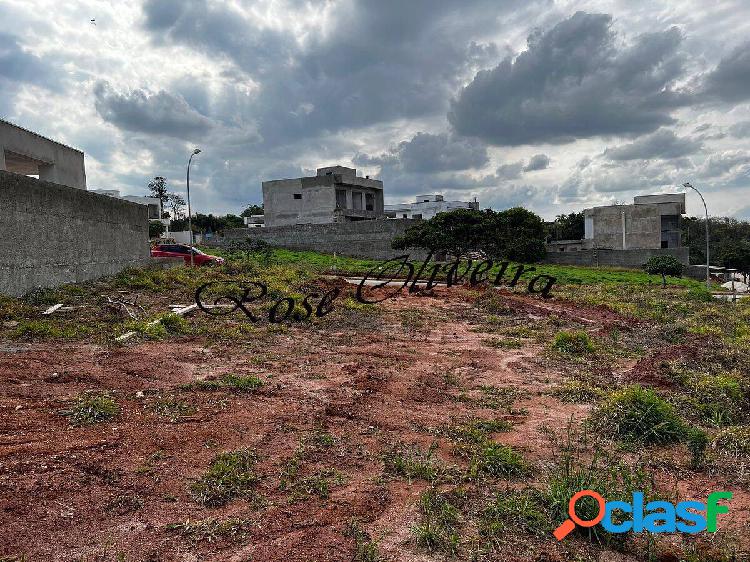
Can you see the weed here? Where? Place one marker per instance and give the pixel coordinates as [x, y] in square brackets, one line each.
[638, 415]
[573, 343]
[43, 329]
[212, 530]
[438, 530]
[91, 408]
[697, 441]
[124, 504]
[321, 438]
[240, 383]
[510, 343]
[733, 441]
[172, 408]
[524, 510]
[493, 459]
[476, 431]
[174, 324]
[412, 463]
[230, 475]
[579, 392]
[719, 399]
[319, 484]
[365, 549]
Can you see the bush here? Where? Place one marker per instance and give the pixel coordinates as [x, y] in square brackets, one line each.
[638, 415]
[574, 343]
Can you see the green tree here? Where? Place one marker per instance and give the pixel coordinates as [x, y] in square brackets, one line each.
[567, 227]
[157, 187]
[456, 232]
[735, 256]
[515, 234]
[156, 229]
[664, 265]
[252, 210]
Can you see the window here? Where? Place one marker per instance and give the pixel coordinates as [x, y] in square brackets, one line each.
[665, 243]
[417, 216]
[298, 196]
[357, 200]
[404, 215]
[369, 202]
[341, 198]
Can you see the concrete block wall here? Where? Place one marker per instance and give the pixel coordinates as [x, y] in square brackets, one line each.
[52, 234]
[633, 259]
[365, 239]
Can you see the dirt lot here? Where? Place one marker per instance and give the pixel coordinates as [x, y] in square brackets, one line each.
[355, 419]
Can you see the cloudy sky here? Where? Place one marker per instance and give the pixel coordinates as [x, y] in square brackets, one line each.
[554, 105]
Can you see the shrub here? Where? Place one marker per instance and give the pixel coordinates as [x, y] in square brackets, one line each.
[230, 475]
[638, 415]
[664, 265]
[92, 408]
[697, 441]
[575, 343]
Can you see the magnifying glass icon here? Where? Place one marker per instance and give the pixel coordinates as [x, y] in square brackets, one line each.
[569, 524]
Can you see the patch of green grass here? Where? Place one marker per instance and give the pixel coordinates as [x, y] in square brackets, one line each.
[509, 343]
[211, 530]
[493, 459]
[638, 415]
[231, 475]
[512, 511]
[719, 399]
[240, 383]
[174, 324]
[578, 392]
[438, 530]
[576, 342]
[476, 431]
[172, 408]
[48, 329]
[91, 408]
[412, 463]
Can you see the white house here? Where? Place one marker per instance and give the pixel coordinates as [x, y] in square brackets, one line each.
[426, 207]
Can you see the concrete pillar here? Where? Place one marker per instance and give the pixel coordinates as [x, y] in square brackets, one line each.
[349, 199]
[2, 158]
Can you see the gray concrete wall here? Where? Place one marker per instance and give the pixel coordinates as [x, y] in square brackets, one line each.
[25, 152]
[616, 258]
[366, 239]
[53, 234]
[642, 226]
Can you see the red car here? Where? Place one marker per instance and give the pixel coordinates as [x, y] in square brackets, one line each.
[183, 251]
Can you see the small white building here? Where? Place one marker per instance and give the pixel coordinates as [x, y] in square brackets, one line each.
[426, 207]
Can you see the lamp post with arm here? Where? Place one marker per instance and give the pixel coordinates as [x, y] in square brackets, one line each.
[708, 261]
[190, 213]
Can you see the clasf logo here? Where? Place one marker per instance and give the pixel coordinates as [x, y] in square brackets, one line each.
[654, 517]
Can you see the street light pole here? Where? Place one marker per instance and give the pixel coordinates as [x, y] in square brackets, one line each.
[190, 213]
[708, 261]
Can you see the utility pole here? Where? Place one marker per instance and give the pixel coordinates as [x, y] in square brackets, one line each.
[190, 213]
[708, 261]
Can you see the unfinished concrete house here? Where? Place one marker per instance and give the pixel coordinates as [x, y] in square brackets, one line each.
[335, 194]
[26, 153]
[626, 234]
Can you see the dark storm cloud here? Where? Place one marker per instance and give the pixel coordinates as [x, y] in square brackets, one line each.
[18, 65]
[426, 153]
[537, 162]
[509, 171]
[158, 113]
[730, 80]
[375, 62]
[661, 144]
[574, 81]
